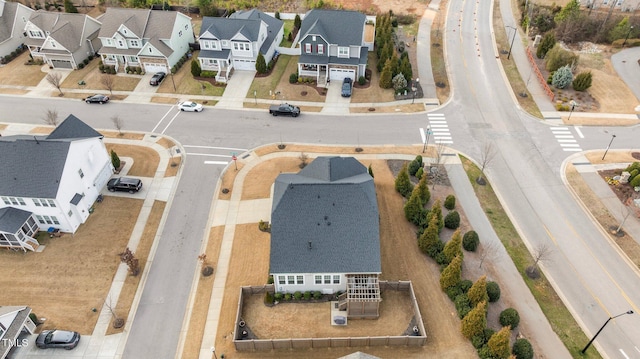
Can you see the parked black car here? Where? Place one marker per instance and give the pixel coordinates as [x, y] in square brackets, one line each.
[58, 339]
[346, 87]
[284, 109]
[130, 185]
[97, 99]
[157, 78]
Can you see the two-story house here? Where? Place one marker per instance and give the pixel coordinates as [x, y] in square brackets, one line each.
[325, 233]
[334, 44]
[13, 19]
[50, 181]
[14, 321]
[61, 40]
[152, 39]
[234, 42]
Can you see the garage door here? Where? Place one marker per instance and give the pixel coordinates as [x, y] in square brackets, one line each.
[340, 74]
[61, 64]
[240, 64]
[153, 68]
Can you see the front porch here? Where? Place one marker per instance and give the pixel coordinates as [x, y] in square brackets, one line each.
[120, 62]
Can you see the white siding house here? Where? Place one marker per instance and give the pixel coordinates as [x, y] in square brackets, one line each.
[13, 19]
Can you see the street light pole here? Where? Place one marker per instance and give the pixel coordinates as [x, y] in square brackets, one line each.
[627, 37]
[573, 106]
[515, 30]
[602, 327]
[426, 142]
[607, 150]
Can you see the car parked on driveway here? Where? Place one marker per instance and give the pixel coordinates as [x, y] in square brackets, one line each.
[58, 339]
[284, 109]
[347, 84]
[97, 99]
[190, 106]
[126, 184]
[157, 78]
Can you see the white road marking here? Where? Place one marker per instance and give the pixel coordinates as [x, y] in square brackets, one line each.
[572, 149]
[440, 129]
[638, 350]
[623, 353]
[215, 163]
[215, 148]
[564, 136]
[438, 121]
[577, 128]
[567, 141]
[170, 122]
[569, 145]
[162, 119]
[207, 154]
[444, 142]
[422, 135]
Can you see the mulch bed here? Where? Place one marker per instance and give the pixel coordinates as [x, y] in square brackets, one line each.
[622, 191]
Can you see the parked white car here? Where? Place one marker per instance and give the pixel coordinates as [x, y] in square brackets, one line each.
[190, 106]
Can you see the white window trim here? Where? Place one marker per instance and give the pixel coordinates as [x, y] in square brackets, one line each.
[307, 48]
[341, 50]
[320, 49]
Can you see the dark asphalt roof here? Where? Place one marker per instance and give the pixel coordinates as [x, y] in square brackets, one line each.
[339, 27]
[73, 128]
[11, 219]
[332, 204]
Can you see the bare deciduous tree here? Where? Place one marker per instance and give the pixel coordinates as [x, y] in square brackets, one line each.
[118, 123]
[129, 258]
[303, 160]
[55, 79]
[107, 81]
[489, 251]
[486, 156]
[51, 117]
[541, 253]
[625, 208]
[117, 321]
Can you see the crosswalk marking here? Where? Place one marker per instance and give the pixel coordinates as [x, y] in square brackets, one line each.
[439, 128]
[225, 154]
[565, 139]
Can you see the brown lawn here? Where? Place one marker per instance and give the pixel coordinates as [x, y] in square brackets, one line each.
[269, 170]
[74, 272]
[145, 160]
[16, 73]
[372, 94]
[123, 135]
[92, 77]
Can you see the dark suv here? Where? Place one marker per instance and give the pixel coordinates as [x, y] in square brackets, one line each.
[157, 78]
[346, 87]
[130, 185]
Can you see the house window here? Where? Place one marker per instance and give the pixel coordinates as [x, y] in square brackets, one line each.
[214, 45]
[6, 200]
[313, 38]
[225, 43]
[53, 43]
[327, 279]
[109, 42]
[55, 220]
[120, 43]
[180, 33]
[343, 52]
[186, 27]
[320, 49]
[150, 50]
[35, 33]
[336, 279]
[52, 203]
[40, 219]
[21, 201]
[307, 48]
[290, 279]
[81, 173]
[36, 202]
[299, 279]
[135, 43]
[206, 44]
[69, 214]
[241, 46]
[318, 279]
[14, 201]
[282, 279]
[48, 220]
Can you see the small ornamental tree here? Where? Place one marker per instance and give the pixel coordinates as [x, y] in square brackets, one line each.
[423, 189]
[499, 345]
[403, 183]
[452, 220]
[131, 261]
[297, 22]
[415, 165]
[69, 7]
[463, 306]
[370, 171]
[261, 65]
[450, 202]
[196, 70]
[522, 349]
[493, 291]
[475, 321]
[582, 81]
[115, 160]
[453, 248]
[385, 76]
[547, 43]
[437, 212]
[413, 208]
[420, 173]
[635, 182]
[478, 291]
[562, 77]
[558, 57]
[470, 241]
[429, 242]
[452, 274]
[405, 67]
[509, 317]
[399, 82]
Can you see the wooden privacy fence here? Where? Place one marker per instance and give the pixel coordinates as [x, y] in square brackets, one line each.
[332, 342]
[541, 79]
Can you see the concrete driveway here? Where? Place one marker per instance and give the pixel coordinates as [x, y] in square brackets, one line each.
[143, 91]
[334, 103]
[237, 88]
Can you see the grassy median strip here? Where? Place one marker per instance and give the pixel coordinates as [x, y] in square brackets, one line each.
[558, 315]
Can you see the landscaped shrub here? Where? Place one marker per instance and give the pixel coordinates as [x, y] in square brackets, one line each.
[420, 173]
[450, 202]
[470, 241]
[208, 74]
[499, 345]
[463, 306]
[510, 317]
[493, 291]
[362, 80]
[81, 66]
[403, 183]
[415, 165]
[465, 285]
[423, 189]
[413, 208]
[307, 295]
[633, 166]
[429, 242]
[196, 70]
[436, 211]
[478, 291]
[293, 78]
[452, 220]
[287, 296]
[522, 349]
[268, 298]
[278, 296]
[115, 160]
[261, 65]
[582, 81]
[453, 292]
[399, 82]
[317, 295]
[559, 57]
[453, 248]
[562, 77]
[635, 182]
[451, 275]
[297, 295]
[475, 322]
[633, 174]
[547, 43]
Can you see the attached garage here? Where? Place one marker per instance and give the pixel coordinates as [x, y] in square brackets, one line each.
[61, 64]
[153, 68]
[340, 74]
[242, 64]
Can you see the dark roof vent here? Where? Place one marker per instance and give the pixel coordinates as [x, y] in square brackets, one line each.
[310, 246]
[326, 217]
[328, 223]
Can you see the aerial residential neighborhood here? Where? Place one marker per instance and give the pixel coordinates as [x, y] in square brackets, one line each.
[346, 179]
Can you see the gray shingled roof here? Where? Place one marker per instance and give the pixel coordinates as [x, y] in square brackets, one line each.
[273, 25]
[339, 27]
[225, 28]
[7, 19]
[73, 128]
[134, 19]
[14, 328]
[65, 28]
[332, 204]
[215, 54]
[11, 219]
[160, 24]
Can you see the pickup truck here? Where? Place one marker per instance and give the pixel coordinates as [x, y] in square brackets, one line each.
[284, 109]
